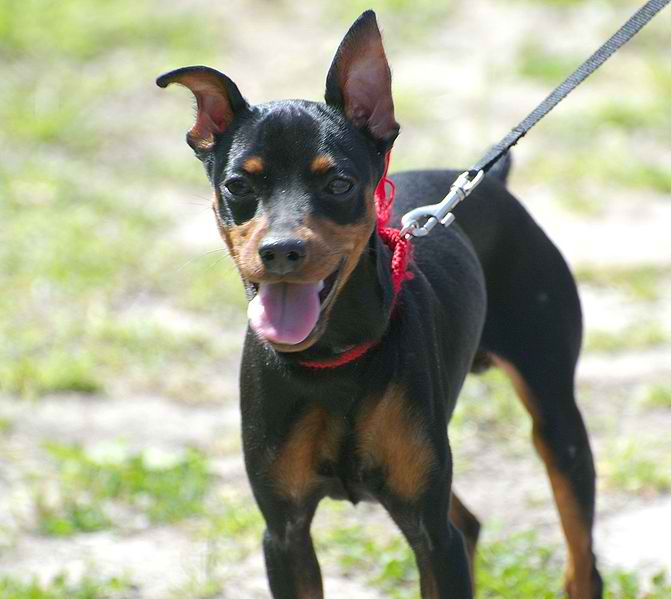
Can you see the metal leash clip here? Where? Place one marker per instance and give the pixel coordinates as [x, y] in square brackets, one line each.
[439, 213]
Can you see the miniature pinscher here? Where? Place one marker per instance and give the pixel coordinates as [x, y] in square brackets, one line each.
[349, 378]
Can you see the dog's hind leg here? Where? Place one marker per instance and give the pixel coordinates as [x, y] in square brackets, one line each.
[469, 526]
[560, 438]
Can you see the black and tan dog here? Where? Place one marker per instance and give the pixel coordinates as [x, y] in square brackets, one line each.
[294, 183]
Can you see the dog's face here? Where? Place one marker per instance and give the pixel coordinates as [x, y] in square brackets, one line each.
[294, 183]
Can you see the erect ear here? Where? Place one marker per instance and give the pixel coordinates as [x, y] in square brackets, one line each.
[359, 80]
[217, 97]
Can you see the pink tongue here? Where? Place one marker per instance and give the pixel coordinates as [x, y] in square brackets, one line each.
[285, 312]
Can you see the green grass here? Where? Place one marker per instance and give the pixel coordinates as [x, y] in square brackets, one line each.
[520, 566]
[407, 21]
[6, 426]
[520, 563]
[76, 255]
[61, 587]
[84, 239]
[567, 168]
[389, 565]
[489, 406]
[84, 30]
[534, 62]
[231, 531]
[645, 335]
[641, 283]
[637, 468]
[166, 488]
[657, 396]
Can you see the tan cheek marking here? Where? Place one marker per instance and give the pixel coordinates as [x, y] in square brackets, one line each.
[331, 242]
[242, 242]
[314, 439]
[390, 437]
[322, 163]
[253, 165]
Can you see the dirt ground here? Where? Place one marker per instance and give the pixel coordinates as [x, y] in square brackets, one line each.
[459, 89]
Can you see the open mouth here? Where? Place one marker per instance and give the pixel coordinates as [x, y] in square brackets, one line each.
[288, 313]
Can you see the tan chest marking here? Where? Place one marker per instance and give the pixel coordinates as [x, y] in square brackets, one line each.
[314, 439]
[389, 436]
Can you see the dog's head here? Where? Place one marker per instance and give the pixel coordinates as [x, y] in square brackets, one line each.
[294, 182]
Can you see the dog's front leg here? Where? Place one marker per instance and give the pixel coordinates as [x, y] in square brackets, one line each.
[437, 544]
[406, 444]
[291, 562]
[284, 442]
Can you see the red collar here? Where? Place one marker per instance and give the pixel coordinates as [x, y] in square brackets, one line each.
[400, 256]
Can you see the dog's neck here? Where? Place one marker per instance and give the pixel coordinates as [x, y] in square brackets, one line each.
[362, 310]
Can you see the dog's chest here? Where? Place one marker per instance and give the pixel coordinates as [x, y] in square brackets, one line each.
[383, 447]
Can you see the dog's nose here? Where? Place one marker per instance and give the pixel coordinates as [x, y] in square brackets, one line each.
[282, 256]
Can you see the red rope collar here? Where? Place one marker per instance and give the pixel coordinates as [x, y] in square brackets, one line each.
[400, 256]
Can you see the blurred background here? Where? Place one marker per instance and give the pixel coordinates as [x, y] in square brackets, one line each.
[121, 318]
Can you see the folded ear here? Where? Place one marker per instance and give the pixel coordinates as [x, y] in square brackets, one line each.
[359, 80]
[217, 97]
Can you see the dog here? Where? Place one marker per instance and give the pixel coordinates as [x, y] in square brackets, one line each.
[356, 351]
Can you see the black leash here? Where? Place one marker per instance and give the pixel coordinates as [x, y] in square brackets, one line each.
[468, 180]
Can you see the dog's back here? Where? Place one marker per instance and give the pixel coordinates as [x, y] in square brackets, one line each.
[529, 285]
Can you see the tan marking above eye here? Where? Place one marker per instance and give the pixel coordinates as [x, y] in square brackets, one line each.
[253, 165]
[391, 437]
[322, 163]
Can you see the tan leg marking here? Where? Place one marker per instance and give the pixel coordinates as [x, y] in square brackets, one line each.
[462, 518]
[578, 576]
[389, 436]
[314, 439]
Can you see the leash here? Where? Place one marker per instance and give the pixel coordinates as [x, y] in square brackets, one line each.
[469, 180]
[398, 240]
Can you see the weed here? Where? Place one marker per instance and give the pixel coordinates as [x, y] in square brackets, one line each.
[633, 337]
[536, 63]
[636, 468]
[390, 565]
[657, 396]
[231, 531]
[167, 489]
[488, 404]
[6, 426]
[518, 567]
[61, 587]
[642, 282]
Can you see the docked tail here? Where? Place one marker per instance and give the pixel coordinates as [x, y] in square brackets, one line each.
[501, 168]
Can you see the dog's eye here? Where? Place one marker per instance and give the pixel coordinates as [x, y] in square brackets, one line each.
[238, 187]
[339, 186]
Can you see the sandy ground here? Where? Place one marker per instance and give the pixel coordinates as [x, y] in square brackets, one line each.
[632, 531]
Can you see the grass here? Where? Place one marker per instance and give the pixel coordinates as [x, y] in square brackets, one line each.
[534, 62]
[489, 407]
[640, 283]
[6, 425]
[76, 259]
[84, 242]
[637, 468]
[389, 565]
[164, 487]
[520, 566]
[657, 396]
[641, 336]
[84, 30]
[61, 587]
[89, 256]
[230, 531]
